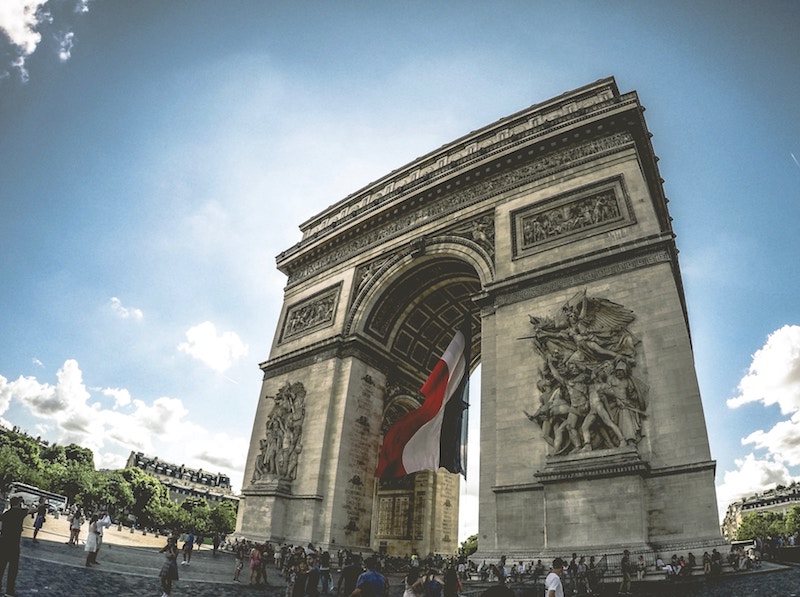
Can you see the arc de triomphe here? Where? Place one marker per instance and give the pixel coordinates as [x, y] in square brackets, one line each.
[550, 229]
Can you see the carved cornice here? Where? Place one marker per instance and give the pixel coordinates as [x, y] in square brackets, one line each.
[450, 200]
[584, 270]
[618, 462]
[518, 129]
[693, 467]
[330, 348]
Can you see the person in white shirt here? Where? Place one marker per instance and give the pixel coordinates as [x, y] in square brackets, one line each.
[104, 522]
[552, 584]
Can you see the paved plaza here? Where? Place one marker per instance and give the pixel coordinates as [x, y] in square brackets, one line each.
[129, 566]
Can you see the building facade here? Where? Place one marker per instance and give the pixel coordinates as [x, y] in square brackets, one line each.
[779, 500]
[183, 482]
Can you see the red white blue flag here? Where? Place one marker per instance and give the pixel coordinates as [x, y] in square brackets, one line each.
[434, 435]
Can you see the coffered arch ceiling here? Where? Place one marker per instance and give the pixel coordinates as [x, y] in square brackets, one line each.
[420, 311]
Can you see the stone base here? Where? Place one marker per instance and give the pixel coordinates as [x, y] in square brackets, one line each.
[613, 462]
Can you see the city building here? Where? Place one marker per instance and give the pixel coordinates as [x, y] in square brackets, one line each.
[183, 482]
[779, 500]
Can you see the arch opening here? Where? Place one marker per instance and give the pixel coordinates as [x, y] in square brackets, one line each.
[415, 318]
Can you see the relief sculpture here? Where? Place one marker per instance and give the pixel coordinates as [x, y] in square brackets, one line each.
[589, 398]
[281, 446]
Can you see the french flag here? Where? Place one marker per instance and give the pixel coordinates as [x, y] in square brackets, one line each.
[433, 435]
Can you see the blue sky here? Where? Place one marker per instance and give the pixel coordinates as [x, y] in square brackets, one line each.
[155, 157]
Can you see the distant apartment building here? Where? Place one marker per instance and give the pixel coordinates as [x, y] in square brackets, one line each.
[183, 482]
[779, 500]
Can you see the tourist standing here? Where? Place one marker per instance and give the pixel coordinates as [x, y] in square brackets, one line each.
[11, 522]
[552, 584]
[102, 523]
[169, 572]
[625, 565]
[349, 575]
[75, 524]
[91, 542]
[371, 583]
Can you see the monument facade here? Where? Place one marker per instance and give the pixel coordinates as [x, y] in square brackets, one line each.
[550, 230]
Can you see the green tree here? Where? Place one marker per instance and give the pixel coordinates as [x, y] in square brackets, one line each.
[80, 456]
[53, 454]
[761, 524]
[148, 495]
[26, 448]
[199, 514]
[222, 518]
[169, 516]
[470, 545]
[11, 468]
[71, 480]
[793, 520]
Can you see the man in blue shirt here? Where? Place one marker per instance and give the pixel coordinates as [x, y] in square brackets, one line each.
[371, 583]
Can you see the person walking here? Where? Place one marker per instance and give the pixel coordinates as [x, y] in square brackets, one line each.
[11, 522]
[552, 584]
[188, 548]
[41, 517]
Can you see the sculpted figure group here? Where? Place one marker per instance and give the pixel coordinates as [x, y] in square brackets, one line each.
[281, 446]
[588, 397]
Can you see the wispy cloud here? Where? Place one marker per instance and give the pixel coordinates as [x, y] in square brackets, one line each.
[125, 312]
[23, 22]
[217, 351]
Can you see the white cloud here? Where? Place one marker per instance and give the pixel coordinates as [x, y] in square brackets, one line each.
[19, 20]
[772, 379]
[217, 351]
[65, 44]
[774, 374]
[125, 312]
[23, 22]
[68, 414]
[751, 475]
[121, 397]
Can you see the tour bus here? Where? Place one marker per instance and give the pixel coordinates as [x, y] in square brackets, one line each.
[31, 495]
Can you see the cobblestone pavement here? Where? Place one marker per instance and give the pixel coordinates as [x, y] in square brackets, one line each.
[50, 568]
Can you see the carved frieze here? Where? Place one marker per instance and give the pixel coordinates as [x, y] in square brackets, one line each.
[312, 314]
[281, 445]
[456, 199]
[583, 212]
[589, 398]
[481, 231]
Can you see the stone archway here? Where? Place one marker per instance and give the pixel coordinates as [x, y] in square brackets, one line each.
[550, 229]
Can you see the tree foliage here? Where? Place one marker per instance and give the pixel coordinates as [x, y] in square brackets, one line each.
[69, 470]
[761, 524]
[469, 546]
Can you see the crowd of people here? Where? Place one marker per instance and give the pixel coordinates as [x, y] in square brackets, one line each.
[307, 570]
